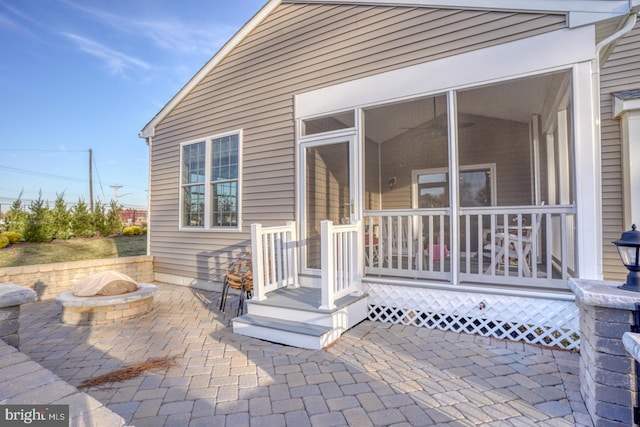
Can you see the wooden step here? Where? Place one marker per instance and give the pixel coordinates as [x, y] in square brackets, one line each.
[289, 332]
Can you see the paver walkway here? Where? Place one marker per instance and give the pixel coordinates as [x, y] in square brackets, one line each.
[376, 374]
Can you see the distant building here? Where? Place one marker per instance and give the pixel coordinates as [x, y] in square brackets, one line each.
[131, 216]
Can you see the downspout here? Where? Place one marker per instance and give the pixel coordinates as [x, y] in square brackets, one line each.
[595, 82]
[628, 26]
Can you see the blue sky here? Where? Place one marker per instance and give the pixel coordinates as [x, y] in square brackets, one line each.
[87, 74]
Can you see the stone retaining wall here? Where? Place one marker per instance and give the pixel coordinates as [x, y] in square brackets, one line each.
[49, 280]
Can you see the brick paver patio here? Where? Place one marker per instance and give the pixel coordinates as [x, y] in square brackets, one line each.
[377, 374]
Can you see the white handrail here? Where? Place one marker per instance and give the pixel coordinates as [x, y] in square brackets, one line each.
[340, 272]
[274, 258]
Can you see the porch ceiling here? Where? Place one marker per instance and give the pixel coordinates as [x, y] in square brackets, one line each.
[531, 94]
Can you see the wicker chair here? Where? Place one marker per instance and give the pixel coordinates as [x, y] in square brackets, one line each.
[239, 276]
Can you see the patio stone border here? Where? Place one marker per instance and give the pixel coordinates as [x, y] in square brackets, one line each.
[25, 382]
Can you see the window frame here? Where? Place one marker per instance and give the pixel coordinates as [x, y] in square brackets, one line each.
[490, 167]
[208, 183]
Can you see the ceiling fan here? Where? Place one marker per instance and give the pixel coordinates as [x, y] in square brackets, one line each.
[438, 126]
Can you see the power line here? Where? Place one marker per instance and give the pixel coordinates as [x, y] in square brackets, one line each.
[38, 150]
[35, 173]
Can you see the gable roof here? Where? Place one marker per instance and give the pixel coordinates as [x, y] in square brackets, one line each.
[580, 12]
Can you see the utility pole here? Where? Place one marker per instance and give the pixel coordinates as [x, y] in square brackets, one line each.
[115, 191]
[91, 179]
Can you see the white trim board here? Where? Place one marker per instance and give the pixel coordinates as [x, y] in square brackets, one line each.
[580, 12]
[549, 51]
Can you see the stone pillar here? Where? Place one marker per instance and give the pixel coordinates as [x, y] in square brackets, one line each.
[607, 371]
[11, 297]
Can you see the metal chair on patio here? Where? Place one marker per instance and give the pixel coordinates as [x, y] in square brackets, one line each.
[239, 276]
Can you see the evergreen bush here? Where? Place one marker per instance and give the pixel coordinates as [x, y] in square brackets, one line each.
[114, 223]
[81, 223]
[38, 228]
[4, 241]
[61, 219]
[99, 219]
[42, 224]
[16, 217]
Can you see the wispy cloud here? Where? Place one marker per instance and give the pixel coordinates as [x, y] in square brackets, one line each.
[169, 34]
[117, 62]
[9, 22]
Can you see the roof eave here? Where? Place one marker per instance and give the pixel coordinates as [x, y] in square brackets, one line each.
[580, 13]
[604, 8]
[149, 130]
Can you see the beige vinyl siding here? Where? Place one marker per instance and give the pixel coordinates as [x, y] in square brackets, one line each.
[297, 48]
[621, 72]
[509, 150]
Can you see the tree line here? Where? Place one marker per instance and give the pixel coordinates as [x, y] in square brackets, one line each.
[38, 222]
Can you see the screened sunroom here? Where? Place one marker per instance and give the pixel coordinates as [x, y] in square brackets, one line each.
[473, 185]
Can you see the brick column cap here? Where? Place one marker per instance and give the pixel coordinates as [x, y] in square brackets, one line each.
[604, 294]
[12, 294]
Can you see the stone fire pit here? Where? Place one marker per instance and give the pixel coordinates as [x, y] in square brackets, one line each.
[106, 297]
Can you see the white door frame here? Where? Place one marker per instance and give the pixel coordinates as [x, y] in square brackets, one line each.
[328, 138]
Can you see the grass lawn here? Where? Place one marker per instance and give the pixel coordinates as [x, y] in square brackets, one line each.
[72, 250]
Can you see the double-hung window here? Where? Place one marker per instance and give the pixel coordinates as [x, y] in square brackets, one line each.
[210, 183]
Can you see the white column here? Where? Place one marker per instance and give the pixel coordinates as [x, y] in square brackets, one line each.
[588, 175]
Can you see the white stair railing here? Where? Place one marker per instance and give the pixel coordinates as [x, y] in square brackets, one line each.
[274, 257]
[340, 271]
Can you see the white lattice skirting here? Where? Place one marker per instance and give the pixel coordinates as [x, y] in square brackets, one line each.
[547, 322]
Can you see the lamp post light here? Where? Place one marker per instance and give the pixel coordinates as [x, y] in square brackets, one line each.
[629, 249]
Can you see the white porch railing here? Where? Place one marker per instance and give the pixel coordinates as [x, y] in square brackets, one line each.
[340, 272]
[521, 245]
[410, 243]
[529, 246]
[274, 255]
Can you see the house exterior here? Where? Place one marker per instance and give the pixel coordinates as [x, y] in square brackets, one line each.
[348, 120]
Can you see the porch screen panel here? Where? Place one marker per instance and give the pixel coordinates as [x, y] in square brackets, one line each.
[502, 169]
[406, 172]
[327, 193]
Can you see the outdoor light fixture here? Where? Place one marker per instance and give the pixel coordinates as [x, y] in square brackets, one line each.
[629, 248]
[392, 182]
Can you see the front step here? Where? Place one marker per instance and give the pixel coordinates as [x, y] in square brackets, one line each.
[297, 334]
[291, 316]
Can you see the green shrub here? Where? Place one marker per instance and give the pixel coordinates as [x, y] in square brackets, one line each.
[81, 222]
[144, 230]
[4, 241]
[132, 230]
[16, 219]
[13, 236]
[114, 224]
[38, 227]
[61, 219]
